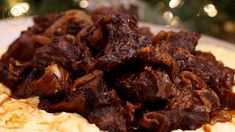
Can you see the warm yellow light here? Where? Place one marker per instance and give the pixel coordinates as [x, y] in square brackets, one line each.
[83, 3]
[160, 5]
[174, 21]
[19, 9]
[167, 16]
[210, 10]
[229, 26]
[174, 3]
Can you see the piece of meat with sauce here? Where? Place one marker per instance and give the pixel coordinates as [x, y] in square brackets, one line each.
[159, 57]
[193, 94]
[90, 97]
[86, 93]
[165, 121]
[62, 26]
[214, 73]
[109, 118]
[108, 113]
[81, 97]
[41, 23]
[54, 80]
[149, 85]
[118, 42]
[154, 90]
[22, 49]
[182, 39]
[66, 51]
[13, 72]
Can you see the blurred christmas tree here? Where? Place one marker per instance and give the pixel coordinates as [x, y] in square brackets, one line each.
[212, 17]
[37, 7]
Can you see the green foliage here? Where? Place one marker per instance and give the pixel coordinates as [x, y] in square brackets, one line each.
[192, 16]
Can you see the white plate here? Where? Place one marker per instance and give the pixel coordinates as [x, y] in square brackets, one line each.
[11, 29]
[225, 51]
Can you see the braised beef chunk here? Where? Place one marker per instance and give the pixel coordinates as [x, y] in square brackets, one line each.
[61, 26]
[193, 93]
[123, 41]
[108, 118]
[165, 121]
[145, 31]
[183, 39]
[82, 96]
[13, 72]
[66, 51]
[44, 22]
[87, 93]
[118, 75]
[147, 86]
[156, 56]
[212, 71]
[21, 49]
[24, 47]
[52, 81]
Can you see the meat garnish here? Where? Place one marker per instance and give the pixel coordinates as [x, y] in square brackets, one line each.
[118, 75]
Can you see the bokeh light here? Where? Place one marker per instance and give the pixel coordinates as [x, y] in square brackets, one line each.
[175, 21]
[167, 16]
[160, 5]
[83, 3]
[174, 3]
[229, 26]
[19, 9]
[210, 10]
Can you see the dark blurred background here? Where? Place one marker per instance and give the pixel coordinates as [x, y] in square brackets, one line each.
[212, 17]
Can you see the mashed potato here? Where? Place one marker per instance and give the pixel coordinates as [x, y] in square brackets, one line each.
[218, 127]
[24, 116]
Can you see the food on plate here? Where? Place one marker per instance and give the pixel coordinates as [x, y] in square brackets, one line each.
[117, 75]
[23, 116]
